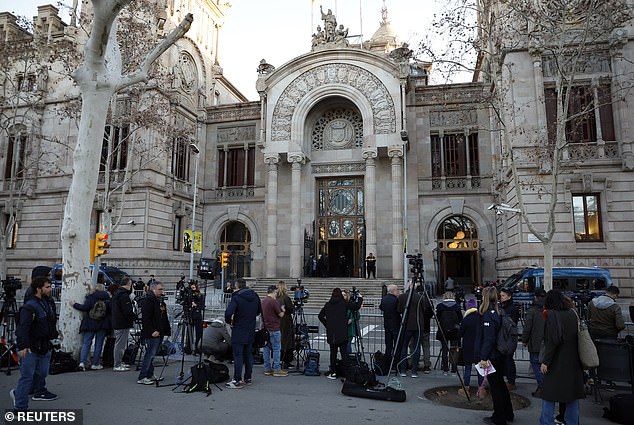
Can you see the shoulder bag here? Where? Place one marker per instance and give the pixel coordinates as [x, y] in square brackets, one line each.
[587, 351]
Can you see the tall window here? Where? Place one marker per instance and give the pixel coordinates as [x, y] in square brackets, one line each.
[181, 159]
[452, 157]
[114, 149]
[587, 217]
[16, 154]
[177, 237]
[581, 125]
[236, 167]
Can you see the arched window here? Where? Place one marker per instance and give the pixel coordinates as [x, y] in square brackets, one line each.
[236, 239]
[457, 232]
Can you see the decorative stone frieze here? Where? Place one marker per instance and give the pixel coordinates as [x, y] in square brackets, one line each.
[236, 134]
[453, 118]
[354, 76]
[354, 167]
[241, 112]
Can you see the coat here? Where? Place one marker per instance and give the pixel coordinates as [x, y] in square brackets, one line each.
[154, 316]
[87, 323]
[419, 313]
[448, 312]
[122, 310]
[241, 312]
[286, 324]
[564, 380]
[486, 336]
[391, 316]
[334, 316]
[533, 332]
[468, 331]
[606, 318]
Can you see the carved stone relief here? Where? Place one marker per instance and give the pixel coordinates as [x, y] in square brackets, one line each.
[368, 84]
[338, 168]
[453, 118]
[594, 63]
[338, 129]
[236, 134]
[185, 73]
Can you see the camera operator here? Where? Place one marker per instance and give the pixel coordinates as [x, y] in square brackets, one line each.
[197, 305]
[354, 300]
[417, 326]
[287, 327]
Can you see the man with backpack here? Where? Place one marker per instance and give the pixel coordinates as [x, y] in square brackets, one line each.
[94, 325]
[122, 321]
[449, 318]
[35, 329]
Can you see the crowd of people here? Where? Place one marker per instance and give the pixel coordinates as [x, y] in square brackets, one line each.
[549, 333]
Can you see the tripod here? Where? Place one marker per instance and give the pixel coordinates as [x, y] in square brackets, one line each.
[7, 317]
[302, 342]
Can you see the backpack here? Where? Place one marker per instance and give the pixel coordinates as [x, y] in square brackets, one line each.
[381, 363]
[98, 310]
[311, 365]
[450, 323]
[506, 341]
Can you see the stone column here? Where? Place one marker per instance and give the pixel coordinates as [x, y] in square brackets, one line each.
[271, 161]
[370, 201]
[396, 153]
[620, 85]
[296, 243]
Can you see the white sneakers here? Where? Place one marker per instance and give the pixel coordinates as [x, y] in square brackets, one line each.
[121, 368]
[96, 367]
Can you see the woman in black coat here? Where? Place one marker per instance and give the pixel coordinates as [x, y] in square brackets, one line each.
[334, 317]
[468, 331]
[286, 325]
[561, 367]
[93, 328]
[486, 351]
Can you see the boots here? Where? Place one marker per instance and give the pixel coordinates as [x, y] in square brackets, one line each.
[462, 392]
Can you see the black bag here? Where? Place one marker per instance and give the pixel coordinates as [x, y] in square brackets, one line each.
[217, 372]
[205, 374]
[311, 365]
[381, 364]
[107, 358]
[62, 362]
[450, 323]
[261, 338]
[620, 410]
[456, 354]
[388, 394]
[130, 353]
[359, 372]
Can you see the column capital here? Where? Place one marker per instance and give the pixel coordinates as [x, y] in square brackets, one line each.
[271, 158]
[369, 154]
[395, 151]
[294, 157]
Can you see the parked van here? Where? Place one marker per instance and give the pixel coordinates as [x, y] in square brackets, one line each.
[107, 275]
[569, 280]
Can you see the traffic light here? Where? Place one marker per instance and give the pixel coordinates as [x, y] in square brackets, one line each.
[101, 244]
[224, 259]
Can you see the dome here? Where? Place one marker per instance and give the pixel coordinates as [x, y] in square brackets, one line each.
[385, 38]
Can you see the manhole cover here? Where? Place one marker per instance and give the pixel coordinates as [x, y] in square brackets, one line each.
[449, 396]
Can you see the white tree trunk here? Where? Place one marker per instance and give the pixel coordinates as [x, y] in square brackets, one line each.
[99, 78]
[548, 264]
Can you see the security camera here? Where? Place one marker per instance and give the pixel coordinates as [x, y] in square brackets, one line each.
[492, 206]
[132, 222]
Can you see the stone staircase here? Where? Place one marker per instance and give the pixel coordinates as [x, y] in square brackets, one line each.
[321, 288]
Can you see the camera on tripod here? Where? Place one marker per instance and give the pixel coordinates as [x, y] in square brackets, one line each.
[10, 285]
[185, 297]
[416, 261]
[354, 295]
[300, 294]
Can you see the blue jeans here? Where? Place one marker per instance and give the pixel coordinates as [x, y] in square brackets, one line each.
[99, 336]
[548, 413]
[33, 370]
[275, 345]
[535, 365]
[466, 375]
[151, 348]
[242, 356]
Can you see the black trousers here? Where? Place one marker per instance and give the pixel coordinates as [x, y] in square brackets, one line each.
[343, 349]
[502, 407]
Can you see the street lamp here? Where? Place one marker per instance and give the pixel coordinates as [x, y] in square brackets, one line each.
[196, 151]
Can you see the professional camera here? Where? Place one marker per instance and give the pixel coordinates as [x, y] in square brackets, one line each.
[354, 294]
[300, 294]
[10, 285]
[185, 297]
[416, 261]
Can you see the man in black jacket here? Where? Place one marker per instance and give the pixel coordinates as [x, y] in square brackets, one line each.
[122, 320]
[155, 325]
[35, 329]
[391, 320]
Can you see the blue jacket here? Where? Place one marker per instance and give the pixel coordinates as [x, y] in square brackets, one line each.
[486, 336]
[92, 325]
[36, 326]
[241, 312]
[391, 316]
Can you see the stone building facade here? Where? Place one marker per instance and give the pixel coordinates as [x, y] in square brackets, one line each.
[350, 150]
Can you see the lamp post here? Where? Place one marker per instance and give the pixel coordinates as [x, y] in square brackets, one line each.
[196, 151]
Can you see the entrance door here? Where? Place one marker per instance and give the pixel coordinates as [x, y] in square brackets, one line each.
[459, 249]
[341, 224]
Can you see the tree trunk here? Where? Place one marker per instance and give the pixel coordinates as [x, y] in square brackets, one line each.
[77, 213]
[548, 264]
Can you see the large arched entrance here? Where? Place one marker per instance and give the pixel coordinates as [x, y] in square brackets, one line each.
[458, 251]
[235, 238]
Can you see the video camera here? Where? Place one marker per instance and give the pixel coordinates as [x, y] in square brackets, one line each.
[10, 285]
[185, 297]
[416, 261]
[300, 294]
[354, 295]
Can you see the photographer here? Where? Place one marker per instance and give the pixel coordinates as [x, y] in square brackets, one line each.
[354, 301]
[193, 300]
[417, 326]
